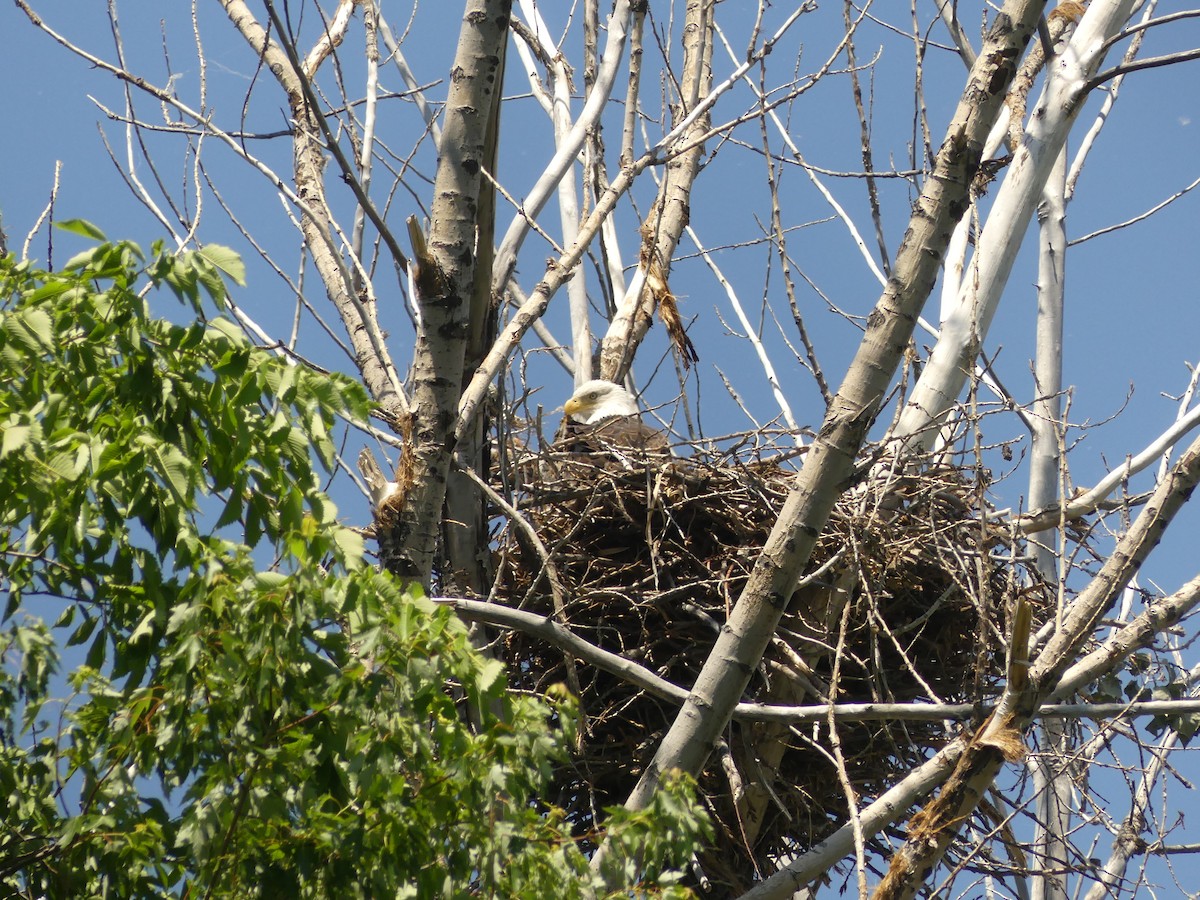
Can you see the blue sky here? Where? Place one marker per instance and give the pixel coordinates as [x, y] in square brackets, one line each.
[1132, 319]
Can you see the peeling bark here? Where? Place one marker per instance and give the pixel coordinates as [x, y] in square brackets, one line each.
[671, 211]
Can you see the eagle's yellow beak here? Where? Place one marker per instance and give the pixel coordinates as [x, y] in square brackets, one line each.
[573, 406]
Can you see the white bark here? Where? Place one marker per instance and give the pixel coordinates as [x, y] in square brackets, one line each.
[893, 804]
[1052, 785]
[568, 150]
[557, 103]
[445, 286]
[939, 386]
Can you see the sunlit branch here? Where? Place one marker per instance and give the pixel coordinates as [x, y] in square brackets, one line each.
[1090, 500]
[1151, 62]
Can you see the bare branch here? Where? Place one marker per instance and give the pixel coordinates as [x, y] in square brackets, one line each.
[1090, 500]
[1151, 62]
[568, 149]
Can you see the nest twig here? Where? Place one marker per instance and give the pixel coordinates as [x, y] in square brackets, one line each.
[650, 556]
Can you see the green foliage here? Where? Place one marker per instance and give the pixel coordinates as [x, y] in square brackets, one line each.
[1185, 725]
[226, 729]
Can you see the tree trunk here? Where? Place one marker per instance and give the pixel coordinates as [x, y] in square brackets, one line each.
[444, 294]
[465, 535]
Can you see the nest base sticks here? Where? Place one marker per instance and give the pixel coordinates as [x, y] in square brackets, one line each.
[646, 557]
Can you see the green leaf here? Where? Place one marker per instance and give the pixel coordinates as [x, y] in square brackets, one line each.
[79, 261]
[298, 442]
[48, 291]
[32, 328]
[350, 543]
[227, 261]
[211, 279]
[83, 228]
[15, 438]
[269, 581]
[66, 617]
[70, 464]
[281, 378]
[288, 703]
[1186, 727]
[232, 511]
[98, 652]
[83, 632]
[144, 629]
[228, 329]
[183, 278]
[174, 467]
[490, 672]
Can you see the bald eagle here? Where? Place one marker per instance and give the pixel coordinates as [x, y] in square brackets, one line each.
[602, 416]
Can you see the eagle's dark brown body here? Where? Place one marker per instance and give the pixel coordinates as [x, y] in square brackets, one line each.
[603, 417]
[615, 433]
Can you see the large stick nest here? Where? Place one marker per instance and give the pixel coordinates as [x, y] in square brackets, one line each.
[648, 556]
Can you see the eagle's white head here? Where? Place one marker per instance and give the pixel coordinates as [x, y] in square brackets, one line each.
[596, 400]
